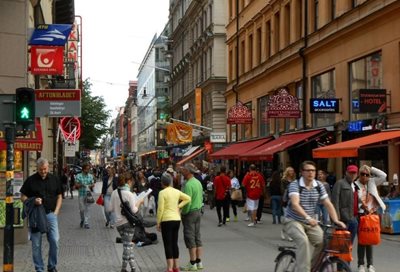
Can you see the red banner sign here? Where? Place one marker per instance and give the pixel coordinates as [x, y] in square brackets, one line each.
[283, 105]
[239, 114]
[47, 60]
[31, 142]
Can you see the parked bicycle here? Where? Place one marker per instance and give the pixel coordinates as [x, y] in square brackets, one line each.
[336, 247]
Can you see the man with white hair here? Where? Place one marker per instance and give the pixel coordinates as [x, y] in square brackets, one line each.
[44, 189]
[191, 215]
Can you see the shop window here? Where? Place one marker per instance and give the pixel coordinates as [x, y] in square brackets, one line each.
[263, 123]
[323, 86]
[299, 95]
[365, 73]
[246, 130]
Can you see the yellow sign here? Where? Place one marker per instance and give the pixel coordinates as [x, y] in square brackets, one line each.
[198, 105]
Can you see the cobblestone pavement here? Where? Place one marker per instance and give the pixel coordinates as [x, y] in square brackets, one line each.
[86, 250]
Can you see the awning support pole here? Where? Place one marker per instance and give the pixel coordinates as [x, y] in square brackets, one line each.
[191, 124]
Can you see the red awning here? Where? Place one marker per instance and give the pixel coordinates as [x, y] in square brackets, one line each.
[350, 148]
[31, 142]
[191, 156]
[233, 151]
[267, 151]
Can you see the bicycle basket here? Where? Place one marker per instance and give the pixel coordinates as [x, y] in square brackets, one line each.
[339, 244]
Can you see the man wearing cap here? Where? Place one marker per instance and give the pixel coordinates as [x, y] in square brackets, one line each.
[345, 199]
[191, 215]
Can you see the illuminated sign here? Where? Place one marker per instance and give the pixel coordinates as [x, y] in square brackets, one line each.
[372, 100]
[323, 105]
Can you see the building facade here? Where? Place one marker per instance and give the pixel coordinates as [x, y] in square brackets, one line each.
[198, 63]
[315, 49]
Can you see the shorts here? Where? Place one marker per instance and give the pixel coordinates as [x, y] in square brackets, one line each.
[191, 229]
[251, 204]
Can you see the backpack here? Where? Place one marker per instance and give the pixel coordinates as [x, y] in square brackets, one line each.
[285, 197]
[126, 211]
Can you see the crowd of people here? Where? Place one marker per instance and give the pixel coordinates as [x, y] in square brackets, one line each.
[178, 195]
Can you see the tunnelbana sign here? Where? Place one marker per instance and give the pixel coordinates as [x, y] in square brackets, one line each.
[324, 105]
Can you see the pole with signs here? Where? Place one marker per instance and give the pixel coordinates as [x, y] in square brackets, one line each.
[8, 249]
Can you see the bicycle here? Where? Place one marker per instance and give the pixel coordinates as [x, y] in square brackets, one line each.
[327, 260]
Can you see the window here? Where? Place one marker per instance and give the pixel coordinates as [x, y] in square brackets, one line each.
[299, 20]
[246, 130]
[299, 95]
[230, 66]
[286, 32]
[333, 9]
[250, 56]
[323, 86]
[316, 14]
[263, 124]
[258, 46]
[268, 40]
[365, 73]
[276, 32]
[242, 57]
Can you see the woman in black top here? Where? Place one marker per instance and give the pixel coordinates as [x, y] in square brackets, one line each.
[276, 197]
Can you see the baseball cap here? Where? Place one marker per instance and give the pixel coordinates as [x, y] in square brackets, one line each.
[170, 170]
[352, 168]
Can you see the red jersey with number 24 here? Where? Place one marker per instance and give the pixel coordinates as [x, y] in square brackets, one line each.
[254, 184]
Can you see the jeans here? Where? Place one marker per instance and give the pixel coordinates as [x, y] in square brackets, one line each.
[53, 237]
[84, 210]
[224, 204]
[276, 208]
[352, 226]
[109, 215]
[322, 213]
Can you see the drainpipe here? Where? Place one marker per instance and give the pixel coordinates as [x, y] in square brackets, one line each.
[304, 64]
[236, 86]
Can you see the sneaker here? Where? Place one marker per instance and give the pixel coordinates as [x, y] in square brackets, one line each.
[107, 223]
[235, 218]
[251, 225]
[361, 268]
[247, 219]
[87, 226]
[228, 219]
[175, 270]
[81, 224]
[200, 266]
[371, 268]
[219, 224]
[283, 237]
[259, 221]
[290, 239]
[189, 267]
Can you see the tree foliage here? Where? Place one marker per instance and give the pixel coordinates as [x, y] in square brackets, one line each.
[94, 118]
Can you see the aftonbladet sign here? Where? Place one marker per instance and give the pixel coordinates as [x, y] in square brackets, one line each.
[58, 103]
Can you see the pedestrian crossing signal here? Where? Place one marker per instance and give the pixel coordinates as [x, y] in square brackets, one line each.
[25, 106]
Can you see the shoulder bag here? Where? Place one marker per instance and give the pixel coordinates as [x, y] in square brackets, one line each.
[126, 211]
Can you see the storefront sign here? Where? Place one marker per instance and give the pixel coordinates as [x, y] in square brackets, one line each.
[283, 105]
[58, 103]
[198, 105]
[33, 141]
[372, 100]
[218, 137]
[47, 60]
[239, 114]
[324, 105]
[55, 35]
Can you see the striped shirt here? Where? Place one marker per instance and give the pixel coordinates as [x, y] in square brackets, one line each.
[308, 198]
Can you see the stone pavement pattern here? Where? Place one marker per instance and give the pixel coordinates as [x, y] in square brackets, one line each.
[231, 248]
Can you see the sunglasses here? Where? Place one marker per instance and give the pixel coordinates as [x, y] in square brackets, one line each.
[309, 170]
[364, 174]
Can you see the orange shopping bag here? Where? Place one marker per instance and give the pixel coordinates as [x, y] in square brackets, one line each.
[339, 243]
[369, 230]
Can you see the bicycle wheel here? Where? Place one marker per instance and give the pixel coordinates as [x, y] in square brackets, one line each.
[285, 262]
[334, 264]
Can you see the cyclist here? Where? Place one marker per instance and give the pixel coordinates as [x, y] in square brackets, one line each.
[300, 223]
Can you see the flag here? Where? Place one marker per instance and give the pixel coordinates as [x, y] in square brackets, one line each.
[179, 133]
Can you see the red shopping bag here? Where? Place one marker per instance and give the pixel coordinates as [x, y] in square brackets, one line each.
[369, 230]
[100, 200]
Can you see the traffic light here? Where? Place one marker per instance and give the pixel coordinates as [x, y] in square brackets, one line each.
[25, 106]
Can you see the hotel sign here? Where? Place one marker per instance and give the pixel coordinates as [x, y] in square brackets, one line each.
[372, 100]
[239, 114]
[283, 105]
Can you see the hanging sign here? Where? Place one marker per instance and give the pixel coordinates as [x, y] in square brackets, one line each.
[58, 103]
[324, 105]
[283, 105]
[372, 100]
[47, 60]
[239, 114]
[55, 35]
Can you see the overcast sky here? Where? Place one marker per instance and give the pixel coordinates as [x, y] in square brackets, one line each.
[115, 37]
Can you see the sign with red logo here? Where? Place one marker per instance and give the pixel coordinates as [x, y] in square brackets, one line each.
[372, 100]
[47, 60]
[283, 105]
[239, 114]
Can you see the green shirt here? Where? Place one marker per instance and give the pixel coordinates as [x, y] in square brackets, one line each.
[86, 181]
[194, 189]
